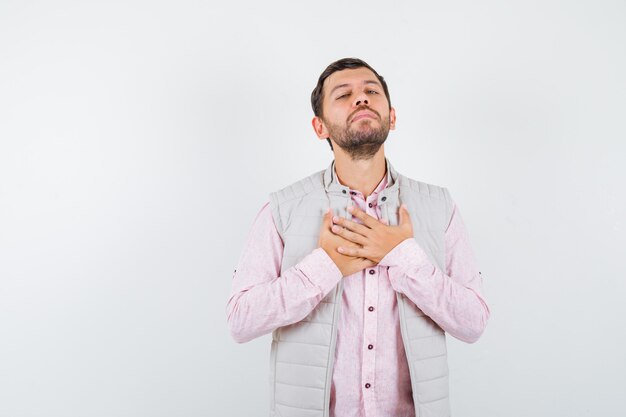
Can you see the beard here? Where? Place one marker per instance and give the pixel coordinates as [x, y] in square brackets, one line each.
[360, 142]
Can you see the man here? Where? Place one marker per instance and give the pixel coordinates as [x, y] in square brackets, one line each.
[358, 271]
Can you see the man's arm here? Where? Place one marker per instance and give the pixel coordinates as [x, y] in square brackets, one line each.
[261, 299]
[453, 299]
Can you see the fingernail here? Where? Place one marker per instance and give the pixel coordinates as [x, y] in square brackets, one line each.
[335, 218]
[350, 208]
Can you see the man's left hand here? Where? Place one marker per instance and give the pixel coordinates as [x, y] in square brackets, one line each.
[375, 238]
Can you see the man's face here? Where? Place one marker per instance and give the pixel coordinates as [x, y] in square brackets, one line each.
[355, 112]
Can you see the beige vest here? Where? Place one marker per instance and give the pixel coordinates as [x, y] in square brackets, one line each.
[302, 355]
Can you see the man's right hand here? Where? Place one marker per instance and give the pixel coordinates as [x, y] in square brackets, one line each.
[330, 242]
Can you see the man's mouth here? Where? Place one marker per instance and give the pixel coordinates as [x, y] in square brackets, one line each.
[362, 115]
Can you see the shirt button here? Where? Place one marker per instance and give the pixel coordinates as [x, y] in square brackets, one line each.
[367, 385]
[344, 191]
[370, 347]
[370, 205]
[384, 198]
[372, 272]
[371, 308]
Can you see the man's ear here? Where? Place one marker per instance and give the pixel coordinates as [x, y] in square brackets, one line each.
[392, 118]
[320, 128]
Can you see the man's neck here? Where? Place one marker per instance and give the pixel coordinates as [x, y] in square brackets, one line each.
[362, 175]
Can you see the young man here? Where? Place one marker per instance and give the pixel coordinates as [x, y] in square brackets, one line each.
[358, 271]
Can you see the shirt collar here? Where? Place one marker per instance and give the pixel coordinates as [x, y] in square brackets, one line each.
[332, 183]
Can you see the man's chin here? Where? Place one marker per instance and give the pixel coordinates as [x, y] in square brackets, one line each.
[362, 151]
[367, 121]
[365, 128]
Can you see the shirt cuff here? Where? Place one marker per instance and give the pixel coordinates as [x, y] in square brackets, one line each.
[320, 269]
[406, 256]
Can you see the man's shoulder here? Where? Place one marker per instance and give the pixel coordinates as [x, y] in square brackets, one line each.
[300, 188]
[282, 201]
[423, 188]
[427, 196]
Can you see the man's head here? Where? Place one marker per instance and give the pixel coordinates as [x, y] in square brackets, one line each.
[352, 108]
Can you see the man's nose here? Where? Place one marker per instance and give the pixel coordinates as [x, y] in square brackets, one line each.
[360, 100]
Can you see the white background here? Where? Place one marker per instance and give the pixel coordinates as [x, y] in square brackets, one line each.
[138, 140]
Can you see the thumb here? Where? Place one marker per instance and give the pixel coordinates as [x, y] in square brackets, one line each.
[404, 215]
[327, 216]
[325, 226]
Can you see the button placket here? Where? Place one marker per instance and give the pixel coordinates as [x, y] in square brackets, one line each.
[370, 330]
[370, 319]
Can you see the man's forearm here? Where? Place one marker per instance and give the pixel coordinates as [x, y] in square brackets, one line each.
[259, 309]
[455, 304]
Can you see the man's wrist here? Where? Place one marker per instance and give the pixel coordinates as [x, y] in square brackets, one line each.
[406, 254]
[320, 268]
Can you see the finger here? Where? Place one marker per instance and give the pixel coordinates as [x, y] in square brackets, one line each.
[347, 234]
[351, 251]
[404, 215]
[368, 220]
[326, 220]
[345, 242]
[367, 262]
[355, 227]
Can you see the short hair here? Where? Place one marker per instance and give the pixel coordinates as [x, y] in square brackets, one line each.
[317, 96]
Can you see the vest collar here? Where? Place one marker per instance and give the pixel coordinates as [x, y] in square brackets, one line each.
[333, 186]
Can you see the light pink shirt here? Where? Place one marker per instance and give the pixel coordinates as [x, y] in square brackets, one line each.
[369, 343]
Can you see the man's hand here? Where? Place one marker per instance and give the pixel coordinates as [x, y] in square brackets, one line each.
[374, 238]
[329, 242]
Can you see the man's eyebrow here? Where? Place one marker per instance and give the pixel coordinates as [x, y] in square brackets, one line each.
[348, 85]
[338, 86]
[373, 82]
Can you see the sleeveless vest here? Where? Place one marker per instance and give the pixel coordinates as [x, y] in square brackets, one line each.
[302, 353]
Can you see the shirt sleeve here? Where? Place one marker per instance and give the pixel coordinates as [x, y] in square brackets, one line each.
[262, 299]
[453, 299]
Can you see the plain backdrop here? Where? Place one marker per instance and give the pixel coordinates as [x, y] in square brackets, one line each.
[139, 139]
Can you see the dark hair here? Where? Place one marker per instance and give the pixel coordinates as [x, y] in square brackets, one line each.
[317, 96]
